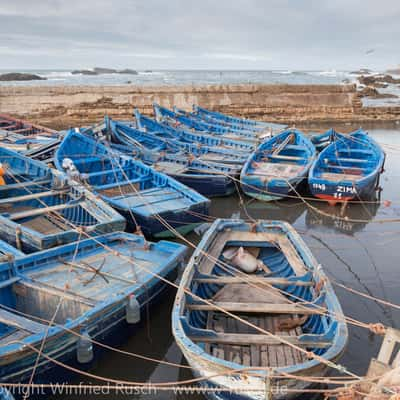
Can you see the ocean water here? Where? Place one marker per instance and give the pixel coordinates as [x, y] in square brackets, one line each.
[185, 77]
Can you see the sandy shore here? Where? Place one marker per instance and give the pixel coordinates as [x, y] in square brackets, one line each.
[65, 106]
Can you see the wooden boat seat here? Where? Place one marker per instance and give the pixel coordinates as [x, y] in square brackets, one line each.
[19, 322]
[360, 151]
[257, 308]
[283, 157]
[252, 279]
[352, 160]
[346, 168]
[295, 147]
[330, 176]
[258, 339]
[32, 196]
[277, 170]
[45, 210]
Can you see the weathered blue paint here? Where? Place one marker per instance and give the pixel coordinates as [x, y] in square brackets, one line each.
[322, 140]
[92, 302]
[217, 117]
[211, 179]
[187, 323]
[168, 123]
[7, 251]
[147, 198]
[278, 166]
[218, 153]
[349, 168]
[41, 208]
[205, 126]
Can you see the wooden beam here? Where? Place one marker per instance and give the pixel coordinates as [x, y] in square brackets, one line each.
[19, 322]
[261, 308]
[35, 212]
[253, 279]
[248, 339]
[24, 184]
[32, 196]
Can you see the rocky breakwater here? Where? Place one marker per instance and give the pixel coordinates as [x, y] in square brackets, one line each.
[61, 107]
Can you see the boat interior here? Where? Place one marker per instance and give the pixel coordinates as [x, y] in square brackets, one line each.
[255, 298]
[346, 159]
[285, 159]
[67, 284]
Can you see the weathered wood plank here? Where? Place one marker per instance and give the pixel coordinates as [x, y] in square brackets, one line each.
[253, 279]
[11, 319]
[32, 196]
[44, 210]
[254, 339]
[255, 308]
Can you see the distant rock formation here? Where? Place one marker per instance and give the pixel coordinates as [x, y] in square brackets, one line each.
[373, 93]
[18, 76]
[100, 71]
[84, 72]
[127, 71]
[377, 80]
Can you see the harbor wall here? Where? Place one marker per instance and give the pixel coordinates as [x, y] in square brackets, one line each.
[64, 106]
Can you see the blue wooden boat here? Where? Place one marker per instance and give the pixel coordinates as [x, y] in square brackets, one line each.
[211, 179]
[177, 119]
[322, 140]
[270, 298]
[214, 116]
[150, 200]
[95, 289]
[189, 136]
[42, 208]
[201, 151]
[349, 168]
[278, 166]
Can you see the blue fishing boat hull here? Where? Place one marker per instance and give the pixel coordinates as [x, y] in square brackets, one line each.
[41, 208]
[347, 169]
[214, 181]
[163, 225]
[215, 343]
[106, 322]
[145, 196]
[209, 185]
[267, 176]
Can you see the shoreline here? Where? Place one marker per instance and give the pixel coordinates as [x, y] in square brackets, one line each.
[61, 107]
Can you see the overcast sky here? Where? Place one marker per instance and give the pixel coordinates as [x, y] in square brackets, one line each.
[200, 34]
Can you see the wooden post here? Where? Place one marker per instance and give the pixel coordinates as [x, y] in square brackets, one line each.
[268, 394]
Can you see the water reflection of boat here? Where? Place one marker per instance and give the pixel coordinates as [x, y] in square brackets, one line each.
[290, 210]
[351, 219]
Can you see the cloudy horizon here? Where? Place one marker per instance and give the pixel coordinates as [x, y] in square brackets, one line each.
[213, 35]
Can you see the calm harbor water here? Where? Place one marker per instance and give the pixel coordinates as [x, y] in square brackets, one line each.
[360, 250]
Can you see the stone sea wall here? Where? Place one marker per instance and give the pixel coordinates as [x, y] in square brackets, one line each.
[64, 106]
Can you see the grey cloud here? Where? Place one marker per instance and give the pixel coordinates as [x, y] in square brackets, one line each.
[259, 34]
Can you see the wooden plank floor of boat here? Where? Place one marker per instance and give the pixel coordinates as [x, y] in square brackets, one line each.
[256, 355]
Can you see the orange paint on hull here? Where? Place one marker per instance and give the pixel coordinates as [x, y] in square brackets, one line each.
[332, 201]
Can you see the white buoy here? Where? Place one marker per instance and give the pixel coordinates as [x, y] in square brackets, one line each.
[85, 348]
[132, 310]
